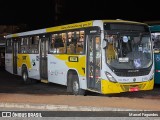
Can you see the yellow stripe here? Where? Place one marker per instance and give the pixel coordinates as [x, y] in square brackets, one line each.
[70, 26]
[120, 21]
[14, 35]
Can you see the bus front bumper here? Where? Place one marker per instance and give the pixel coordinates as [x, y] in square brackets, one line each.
[108, 87]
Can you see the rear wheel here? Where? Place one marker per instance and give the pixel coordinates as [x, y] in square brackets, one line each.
[26, 80]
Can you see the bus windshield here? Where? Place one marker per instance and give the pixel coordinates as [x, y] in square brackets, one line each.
[128, 49]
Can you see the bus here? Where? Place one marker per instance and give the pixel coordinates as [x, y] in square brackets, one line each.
[103, 56]
[2, 54]
[155, 33]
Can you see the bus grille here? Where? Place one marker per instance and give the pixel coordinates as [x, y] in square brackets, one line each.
[126, 74]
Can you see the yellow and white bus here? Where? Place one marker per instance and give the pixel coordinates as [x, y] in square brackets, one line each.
[103, 56]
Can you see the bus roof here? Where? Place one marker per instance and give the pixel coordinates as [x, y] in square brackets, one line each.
[68, 27]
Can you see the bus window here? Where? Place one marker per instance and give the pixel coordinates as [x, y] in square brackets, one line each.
[98, 50]
[80, 43]
[34, 44]
[9, 46]
[70, 43]
[112, 47]
[97, 43]
[70, 38]
[57, 44]
[52, 44]
[63, 44]
[24, 48]
[75, 42]
[64, 38]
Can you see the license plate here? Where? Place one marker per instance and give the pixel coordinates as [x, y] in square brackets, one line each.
[134, 89]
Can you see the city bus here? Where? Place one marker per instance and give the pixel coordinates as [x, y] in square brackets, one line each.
[103, 56]
[2, 59]
[155, 33]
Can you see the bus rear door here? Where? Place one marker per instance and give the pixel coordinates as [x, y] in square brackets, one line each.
[44, 58]
[15, 58]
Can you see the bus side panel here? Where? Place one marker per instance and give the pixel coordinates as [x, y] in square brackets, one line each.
[57, 70]
[78, 62]
[32, 63]
[9, 62]
[58, 66]
[157, 68]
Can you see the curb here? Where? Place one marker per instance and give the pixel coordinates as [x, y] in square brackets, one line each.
[50, 107]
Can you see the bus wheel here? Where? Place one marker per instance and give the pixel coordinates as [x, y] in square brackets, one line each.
[76, 86]
[26, 80]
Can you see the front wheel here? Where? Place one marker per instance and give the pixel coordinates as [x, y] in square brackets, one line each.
[76, 86]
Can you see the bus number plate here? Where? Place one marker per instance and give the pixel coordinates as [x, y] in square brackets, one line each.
[73, 59]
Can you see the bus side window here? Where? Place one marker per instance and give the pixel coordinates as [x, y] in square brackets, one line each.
[70, 46]
[52, 44]
[64, 40]
[24, 45]
[34, 44]
[112, 47]
[75, 42]
[80, 43]
[57, 43]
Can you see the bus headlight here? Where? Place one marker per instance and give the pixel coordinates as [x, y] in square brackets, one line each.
[110, 77]
[152, 76]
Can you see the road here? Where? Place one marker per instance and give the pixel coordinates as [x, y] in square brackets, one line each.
[54, 97]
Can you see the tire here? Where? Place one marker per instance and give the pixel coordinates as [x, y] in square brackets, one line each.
[25, 78]
[69, 82]
[76, 90]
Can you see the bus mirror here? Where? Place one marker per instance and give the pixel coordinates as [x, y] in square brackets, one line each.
[104, 43]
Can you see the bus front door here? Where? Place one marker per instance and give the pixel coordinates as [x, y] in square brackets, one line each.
[94, 62]
[43, 59]
[15, 57]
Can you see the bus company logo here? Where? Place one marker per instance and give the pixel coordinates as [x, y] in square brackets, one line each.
[6, 114]
[133, 70]
[134, 79]
[33, 62]
[24, 57]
